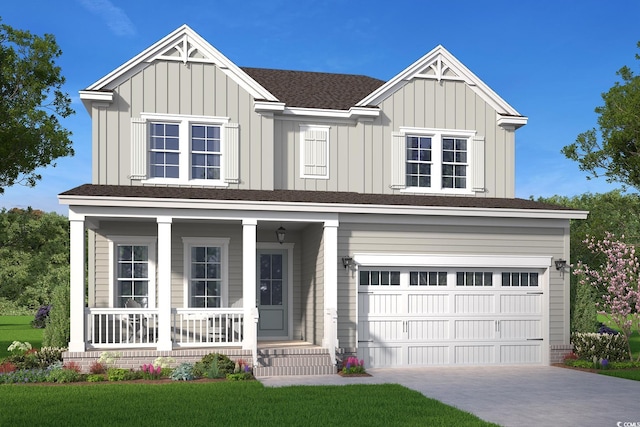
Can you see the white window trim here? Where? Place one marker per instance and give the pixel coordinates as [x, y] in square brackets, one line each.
[223, 243]
[303, 130]
[436, 158]
[185, 122]
[150, 242]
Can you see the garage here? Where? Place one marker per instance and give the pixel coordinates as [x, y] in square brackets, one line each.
[452, 311]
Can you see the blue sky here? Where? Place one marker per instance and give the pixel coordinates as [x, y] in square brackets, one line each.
[549, 59]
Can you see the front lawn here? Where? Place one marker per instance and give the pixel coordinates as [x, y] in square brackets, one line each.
[18, 328]
[224, 403]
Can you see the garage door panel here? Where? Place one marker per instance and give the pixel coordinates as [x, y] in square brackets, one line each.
[521, 304]
[380, 356]
[421, 330]
[521, 354]
[428, 303]
[381, 303]
[475, 329]
[520, 329]
[474, 303]
[380, 330]
[428, 355]
[474, 354]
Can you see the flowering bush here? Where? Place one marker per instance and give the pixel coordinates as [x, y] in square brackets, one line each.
[108, 358]
[150, 372]
[6, 367]
[97, 368]
[599, 346]
[164, 362]
[40, 320]
[619, 278]
[17, 347]
[353, 366]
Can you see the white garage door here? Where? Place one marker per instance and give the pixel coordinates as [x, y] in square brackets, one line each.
[423, 317]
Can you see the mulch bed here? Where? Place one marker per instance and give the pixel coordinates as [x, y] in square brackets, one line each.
[342, 374]
[140, 381]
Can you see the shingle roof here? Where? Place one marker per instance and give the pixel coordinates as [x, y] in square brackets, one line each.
[315, 90]
[292, 196]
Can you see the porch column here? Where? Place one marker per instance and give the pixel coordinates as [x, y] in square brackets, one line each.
[76, 265]
[164, 284]
[250, 337]
[330, 339]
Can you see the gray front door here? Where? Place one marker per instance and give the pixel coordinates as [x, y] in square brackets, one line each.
[272, 293]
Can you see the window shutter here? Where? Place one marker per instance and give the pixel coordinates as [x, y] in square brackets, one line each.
[315, 153]
[138, 149]
[232, 153]
[398, 160]
[478, 165]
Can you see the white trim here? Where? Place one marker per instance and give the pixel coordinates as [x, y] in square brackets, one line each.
[150, 242]
[157, 51]
[103, 206]
[223, 243]
[449, 260]
[354, 113]
[462, 73]
[289, 248]
[304, 128]
[95, 95]
[511, 121]
[268, 107]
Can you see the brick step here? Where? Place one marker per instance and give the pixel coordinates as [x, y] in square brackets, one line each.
[293, 361]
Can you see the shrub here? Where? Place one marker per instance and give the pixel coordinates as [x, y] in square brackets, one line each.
[184, 372]
[64, 375]
[26, 360]
[121, 374]
[97, 368]
[570, 356]
[46, 356]
[214, 370]
[624, 365]
[225, 365]
[584, 316]
[72, 366]
[240, 376]
[353, 366]
[593, 346]
[578, 363]
[95, 378]
[41, 317]
[57, 330]
[7, 366]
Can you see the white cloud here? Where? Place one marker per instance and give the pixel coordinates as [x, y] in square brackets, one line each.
[115, 18]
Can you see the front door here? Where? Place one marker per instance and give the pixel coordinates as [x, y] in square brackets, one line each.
[272, 294]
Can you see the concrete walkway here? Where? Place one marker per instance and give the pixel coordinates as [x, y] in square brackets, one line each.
[511, 396]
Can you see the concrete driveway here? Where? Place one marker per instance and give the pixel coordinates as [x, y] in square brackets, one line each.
[511, 396]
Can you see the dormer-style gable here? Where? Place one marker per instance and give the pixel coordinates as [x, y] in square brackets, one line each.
[440, 65]
[182, 45]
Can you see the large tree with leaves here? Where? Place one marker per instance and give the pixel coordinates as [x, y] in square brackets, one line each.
[616, 154]
[31, 104]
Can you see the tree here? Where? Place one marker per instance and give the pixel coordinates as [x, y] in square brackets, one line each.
[618, 279]
[617, 154]
[608, 212]
[31, 103]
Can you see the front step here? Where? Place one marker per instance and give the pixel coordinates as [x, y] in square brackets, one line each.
[274, 362]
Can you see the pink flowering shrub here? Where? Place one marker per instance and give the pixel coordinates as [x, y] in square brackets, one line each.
[617, 279]
[150, 372]
[353, 366]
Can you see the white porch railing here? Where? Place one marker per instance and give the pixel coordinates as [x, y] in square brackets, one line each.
[202, 327]
[121, 327]
[138, 327]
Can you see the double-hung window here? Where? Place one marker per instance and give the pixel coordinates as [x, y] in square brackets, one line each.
[168, 149]
[206, 266]
[434, 160]
[133, 265]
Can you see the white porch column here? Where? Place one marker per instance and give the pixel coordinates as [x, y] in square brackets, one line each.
[164, 284]
[76, 264]
[330, 339]
[250, 338]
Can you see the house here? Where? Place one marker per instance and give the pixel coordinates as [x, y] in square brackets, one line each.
[265, 213]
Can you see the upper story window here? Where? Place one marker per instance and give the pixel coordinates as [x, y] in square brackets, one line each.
[437, 161]
[314, 152]
[184, 149]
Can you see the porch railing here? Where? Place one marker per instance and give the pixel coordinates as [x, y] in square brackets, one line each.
[138, 327]
[121, 327]
[202, 327]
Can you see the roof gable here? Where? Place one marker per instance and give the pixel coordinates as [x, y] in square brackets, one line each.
[440, 65]
[183, 45]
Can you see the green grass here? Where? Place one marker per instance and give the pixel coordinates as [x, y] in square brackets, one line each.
[225, 403]
[18, 328]
[629, 374]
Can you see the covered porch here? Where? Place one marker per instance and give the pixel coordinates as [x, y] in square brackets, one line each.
[161, 313]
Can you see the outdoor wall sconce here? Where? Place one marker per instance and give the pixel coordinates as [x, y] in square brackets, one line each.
[561, 264]
[347, 261]
[280, 234]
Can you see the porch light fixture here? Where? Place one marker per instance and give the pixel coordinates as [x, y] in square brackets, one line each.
[347, 261]
[561, 264]
[280, 234]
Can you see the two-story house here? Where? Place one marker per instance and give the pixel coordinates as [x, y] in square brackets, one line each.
[259, 212]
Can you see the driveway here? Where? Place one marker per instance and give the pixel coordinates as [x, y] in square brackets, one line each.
[511, 396]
